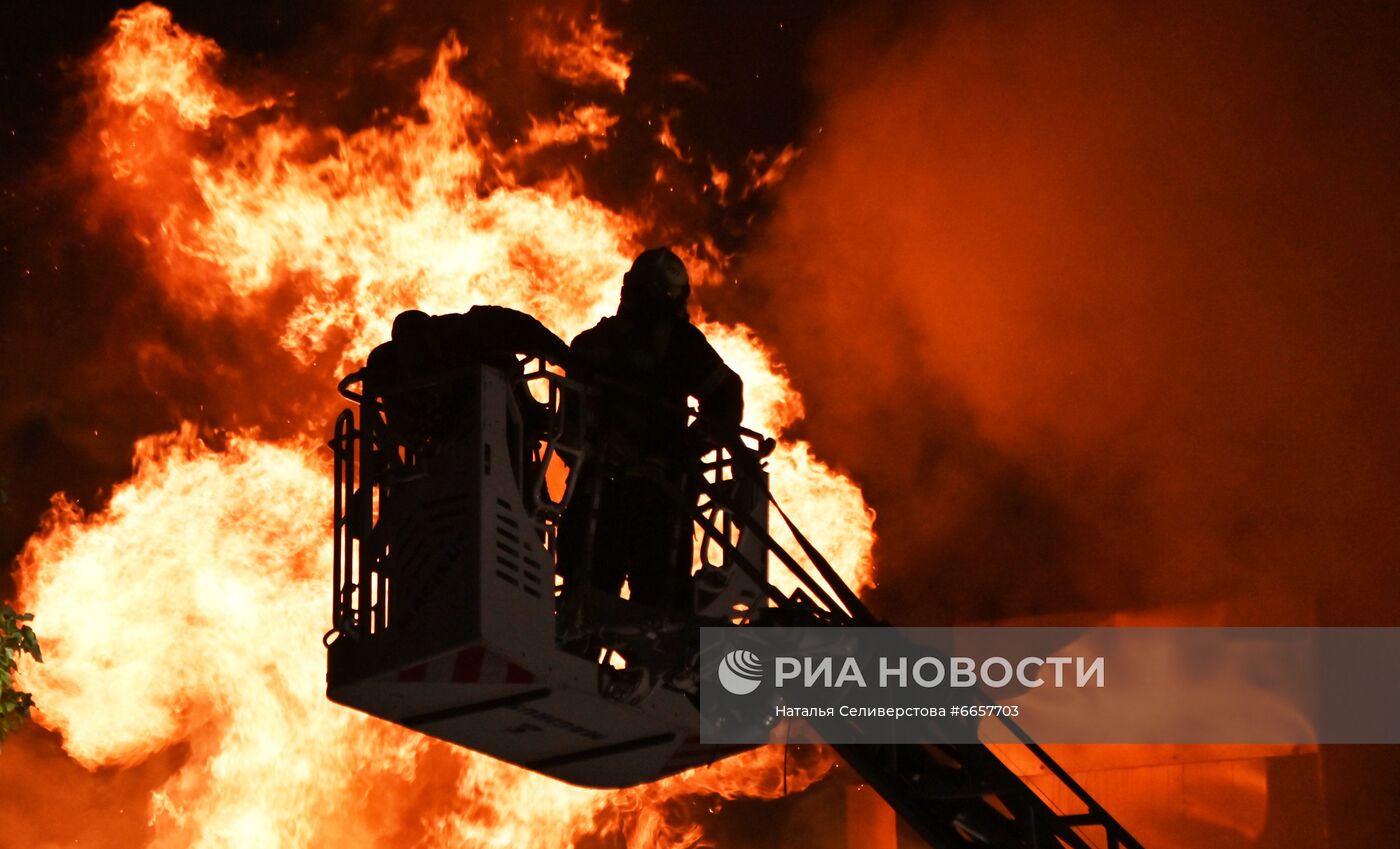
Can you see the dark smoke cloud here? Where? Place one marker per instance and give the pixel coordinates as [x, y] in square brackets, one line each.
[1099, 302]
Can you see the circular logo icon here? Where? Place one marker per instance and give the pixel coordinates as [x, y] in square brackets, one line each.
[740, 672]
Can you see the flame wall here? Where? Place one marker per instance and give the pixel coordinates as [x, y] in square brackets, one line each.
[265, 249]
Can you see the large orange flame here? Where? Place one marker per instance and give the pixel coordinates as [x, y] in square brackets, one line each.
[188, 612]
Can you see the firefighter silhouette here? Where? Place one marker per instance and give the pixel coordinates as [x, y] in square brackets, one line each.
[644, 363]
[420, 374]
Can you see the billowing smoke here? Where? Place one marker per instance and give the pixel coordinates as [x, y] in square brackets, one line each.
[1098, 303]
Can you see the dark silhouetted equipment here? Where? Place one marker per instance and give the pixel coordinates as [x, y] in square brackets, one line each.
[454, 615]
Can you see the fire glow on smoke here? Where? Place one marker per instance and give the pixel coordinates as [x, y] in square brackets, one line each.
[189, 611]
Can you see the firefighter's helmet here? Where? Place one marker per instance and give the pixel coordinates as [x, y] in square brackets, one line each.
[657, 283]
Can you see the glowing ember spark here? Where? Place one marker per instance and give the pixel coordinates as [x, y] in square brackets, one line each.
[719, 178]
[190, 610]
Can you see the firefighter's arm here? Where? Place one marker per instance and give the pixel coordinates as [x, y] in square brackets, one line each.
[721, 412]
[520, 332]
[721, 397]
[716, 386]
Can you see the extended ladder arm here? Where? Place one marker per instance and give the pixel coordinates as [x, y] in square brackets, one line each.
[953, 795]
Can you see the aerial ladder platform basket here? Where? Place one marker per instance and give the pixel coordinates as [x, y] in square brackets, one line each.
[445, 591]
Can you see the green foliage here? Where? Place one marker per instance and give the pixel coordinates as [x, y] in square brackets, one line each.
[15, 637]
